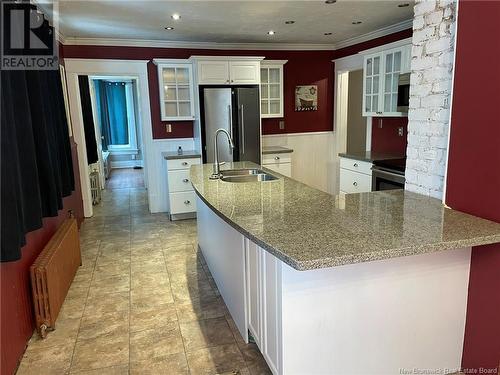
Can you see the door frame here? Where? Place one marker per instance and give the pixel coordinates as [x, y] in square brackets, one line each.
[138, 69]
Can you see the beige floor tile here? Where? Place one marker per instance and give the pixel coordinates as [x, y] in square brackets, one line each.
[206, 333]
[35, 360]
[113, 284]
[72, 309]
[65, 333]
[118, 370]
[141, 299]
[236, 333]
[109, 303]
[106, 351]
[150, 281]
[156, 343]
[175, 364]
[199, 309]
[216, 360]
[95, 326]
[184, 290]
[152, 265]
[152, 317]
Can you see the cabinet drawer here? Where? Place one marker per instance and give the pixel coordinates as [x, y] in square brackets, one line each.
[182, 202]
[354, 182]
[178, 180]
[356, 165]
[276, 158]
[174, 164]
[283, 168]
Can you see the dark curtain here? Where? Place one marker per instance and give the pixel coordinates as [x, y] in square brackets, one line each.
[88, 119]
[35, 155]
[112, 111]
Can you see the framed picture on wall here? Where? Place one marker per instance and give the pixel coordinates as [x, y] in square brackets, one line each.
[306, 98]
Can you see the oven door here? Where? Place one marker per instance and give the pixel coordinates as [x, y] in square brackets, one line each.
[386, 180]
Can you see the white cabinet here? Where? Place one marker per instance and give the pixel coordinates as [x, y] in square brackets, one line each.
[355, 176]
[175, 80]
[224, 70]
[380, 81]
[278, 162]
[264, 303]
[271, 88]
[182, 197]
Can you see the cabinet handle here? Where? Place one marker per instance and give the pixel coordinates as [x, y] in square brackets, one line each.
[355, 183]
[227, 81]
[187, 202]
[356, 165]
[184, 163]
[277, 158]
[185, 180]
[232, 81]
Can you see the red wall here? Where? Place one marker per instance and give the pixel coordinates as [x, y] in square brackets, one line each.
[386, 139]
[16, 309]
[302, 68]
[473, 180]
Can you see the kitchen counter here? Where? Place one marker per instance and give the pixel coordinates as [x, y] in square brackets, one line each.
[310, 229]
[186, 154]
[276, 150]
[369, 156]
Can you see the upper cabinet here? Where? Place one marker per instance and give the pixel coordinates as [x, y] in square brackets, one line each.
[271, 88]
[380, 81]
[227, 70]
[176, 90]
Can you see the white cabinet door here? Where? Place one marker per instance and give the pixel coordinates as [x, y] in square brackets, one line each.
[254, 293]
[176, 91]
[406, 62]
[271, 88]
[213, 72]
[392, 66]
[271, 269]
[244, 72]
[371, 85]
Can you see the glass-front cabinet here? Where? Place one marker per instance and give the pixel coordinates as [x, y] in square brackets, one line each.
[271, 88]
[380, 81]
[176, 91]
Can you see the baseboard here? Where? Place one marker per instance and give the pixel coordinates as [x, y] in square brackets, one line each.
[126, 164]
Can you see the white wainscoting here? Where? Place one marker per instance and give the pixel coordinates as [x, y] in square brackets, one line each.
[158, 196]
[313, 158]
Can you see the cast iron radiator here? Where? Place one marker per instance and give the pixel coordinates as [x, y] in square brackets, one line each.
[52, 274]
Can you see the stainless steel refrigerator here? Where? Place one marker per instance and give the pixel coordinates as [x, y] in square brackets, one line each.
[237, 110]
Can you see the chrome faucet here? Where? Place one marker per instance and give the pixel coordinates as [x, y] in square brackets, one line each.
[217, 174]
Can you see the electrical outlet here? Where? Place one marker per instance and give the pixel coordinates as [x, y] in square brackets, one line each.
[168, 128]
[400, 131]
[282, 124]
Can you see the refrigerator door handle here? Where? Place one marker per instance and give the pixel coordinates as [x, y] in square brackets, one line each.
[230, 125]
[242, 121]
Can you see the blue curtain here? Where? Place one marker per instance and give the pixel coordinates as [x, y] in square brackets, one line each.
[112, 112]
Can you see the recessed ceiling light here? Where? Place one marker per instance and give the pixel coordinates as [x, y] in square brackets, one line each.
[327, 34]
[356, 22]
[176, 16]
[404, 5]
[169, 28]
[271, 32]
[330, 1]
[289, 22]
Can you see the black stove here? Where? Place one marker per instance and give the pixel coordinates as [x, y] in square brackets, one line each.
[395, 165]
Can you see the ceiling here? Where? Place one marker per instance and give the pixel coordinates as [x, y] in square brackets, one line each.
[229, 21]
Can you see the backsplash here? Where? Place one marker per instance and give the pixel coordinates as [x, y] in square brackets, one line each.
[385, 134]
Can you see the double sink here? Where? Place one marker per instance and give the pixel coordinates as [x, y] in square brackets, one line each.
[246, 175]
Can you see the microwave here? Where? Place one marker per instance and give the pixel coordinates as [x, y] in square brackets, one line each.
[403, 92]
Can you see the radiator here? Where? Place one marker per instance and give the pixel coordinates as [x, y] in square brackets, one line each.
[52, 274]
[95, 187]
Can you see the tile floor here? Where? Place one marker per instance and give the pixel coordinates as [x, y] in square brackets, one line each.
[143, 302]
[124, 178]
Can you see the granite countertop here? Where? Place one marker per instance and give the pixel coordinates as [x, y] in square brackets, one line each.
[276, 150]
[310, 229]
[186, 154]
[370, 156]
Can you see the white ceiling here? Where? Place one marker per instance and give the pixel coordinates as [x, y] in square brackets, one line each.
[229, 21]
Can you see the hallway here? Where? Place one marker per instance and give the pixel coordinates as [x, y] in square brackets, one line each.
[143, 302]
[122, 178]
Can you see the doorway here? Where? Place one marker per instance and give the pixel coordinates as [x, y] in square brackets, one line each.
[118, 131]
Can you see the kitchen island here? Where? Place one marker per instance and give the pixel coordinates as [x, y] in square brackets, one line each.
[372, 283]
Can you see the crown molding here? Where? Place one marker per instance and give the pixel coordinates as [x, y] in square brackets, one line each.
[404, 25]
[115, 42]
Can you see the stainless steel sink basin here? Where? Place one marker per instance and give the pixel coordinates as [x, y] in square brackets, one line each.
[242, 172]
[249, 178]
[246, 175]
